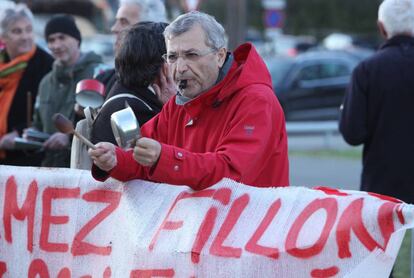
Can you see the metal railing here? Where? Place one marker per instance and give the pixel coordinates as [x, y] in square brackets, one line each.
[326, 128]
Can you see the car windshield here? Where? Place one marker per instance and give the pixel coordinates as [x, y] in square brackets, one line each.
[278, 67]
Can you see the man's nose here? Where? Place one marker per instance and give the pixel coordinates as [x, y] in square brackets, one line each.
[53, 44]
[27, 35]
[181, 64]
[115, 28]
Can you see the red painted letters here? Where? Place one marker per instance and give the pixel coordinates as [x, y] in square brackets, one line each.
[223, 196]
[38, 269]
[331, 207]
[252, 246]
[50, 194]
[80, 247]
[149, 273]
[351, 219]
[27, 210]
[235, 211]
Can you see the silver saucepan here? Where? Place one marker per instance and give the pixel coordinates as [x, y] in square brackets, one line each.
[125, 127]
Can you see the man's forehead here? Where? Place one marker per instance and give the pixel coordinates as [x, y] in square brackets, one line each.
[128, 11]
[192, 39]
[20, 23]
[57, 35]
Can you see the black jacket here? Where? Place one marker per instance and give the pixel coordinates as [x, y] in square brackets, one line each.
[108, 78]
[39, 65]
[101, 128]
[378, 112]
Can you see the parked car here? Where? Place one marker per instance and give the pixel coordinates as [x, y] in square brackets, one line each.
[288, 45]
[311, 86]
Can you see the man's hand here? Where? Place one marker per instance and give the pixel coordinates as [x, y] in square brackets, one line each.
[166, 88]
[7, 141]
[104, 156]
[79, 110]
[147, 151]
[57, 141]
[26, 130]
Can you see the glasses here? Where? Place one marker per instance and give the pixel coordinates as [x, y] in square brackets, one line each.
[191, 55]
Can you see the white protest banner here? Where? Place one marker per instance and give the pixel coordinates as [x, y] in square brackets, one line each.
[61, 223]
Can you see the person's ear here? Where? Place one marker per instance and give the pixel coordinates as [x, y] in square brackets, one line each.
[221, 56]
[382, 30]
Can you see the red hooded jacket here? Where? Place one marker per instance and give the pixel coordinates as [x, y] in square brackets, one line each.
[235, 130]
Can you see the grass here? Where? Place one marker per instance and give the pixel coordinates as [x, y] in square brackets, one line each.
[402, 267]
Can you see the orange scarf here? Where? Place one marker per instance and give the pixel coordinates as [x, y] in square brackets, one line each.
[10, 75]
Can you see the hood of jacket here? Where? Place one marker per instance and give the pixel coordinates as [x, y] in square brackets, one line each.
[247, 68]
[63, 73]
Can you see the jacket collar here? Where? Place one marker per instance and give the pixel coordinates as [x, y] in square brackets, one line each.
[245, 69]
[398, 40]
[181, 100]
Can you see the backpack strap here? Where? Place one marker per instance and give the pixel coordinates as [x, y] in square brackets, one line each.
[128, 96]
[89, 115]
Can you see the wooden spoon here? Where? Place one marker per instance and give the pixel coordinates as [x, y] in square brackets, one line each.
[65, 126]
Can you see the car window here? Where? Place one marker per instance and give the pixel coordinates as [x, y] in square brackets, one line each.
[309, 73]
[330, 70]
[278, 69]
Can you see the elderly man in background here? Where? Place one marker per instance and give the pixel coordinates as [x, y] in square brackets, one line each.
[378, 107]
[226, 121]
[22, 66]
[57, 88]
[129, 13]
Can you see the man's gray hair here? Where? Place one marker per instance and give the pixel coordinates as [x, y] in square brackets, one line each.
[215, 34]
[397, 16]
[11, 12]
[150, 10]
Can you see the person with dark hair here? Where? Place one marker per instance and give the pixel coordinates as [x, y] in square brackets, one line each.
[130, 12]
[138, 63]
[22, 66]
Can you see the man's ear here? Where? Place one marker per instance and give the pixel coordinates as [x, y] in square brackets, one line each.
[221, 56]
[382, 30]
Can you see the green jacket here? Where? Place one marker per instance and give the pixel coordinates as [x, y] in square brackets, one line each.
[57, 95]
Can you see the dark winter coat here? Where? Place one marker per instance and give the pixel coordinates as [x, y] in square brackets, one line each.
[37, 68]
[378, 113]
[146, 107]
[57, 95]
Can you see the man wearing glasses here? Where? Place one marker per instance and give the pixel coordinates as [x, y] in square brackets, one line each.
[224, 122]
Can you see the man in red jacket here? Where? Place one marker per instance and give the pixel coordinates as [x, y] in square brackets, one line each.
[225, 122]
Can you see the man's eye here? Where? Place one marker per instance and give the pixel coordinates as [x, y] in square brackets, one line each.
[172, 57]
[124, 22]
[16, 31]
[191, 55]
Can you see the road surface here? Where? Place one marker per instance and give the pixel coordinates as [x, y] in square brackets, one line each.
[332, 171]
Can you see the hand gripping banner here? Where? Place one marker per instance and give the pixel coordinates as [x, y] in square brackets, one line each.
[61, 223]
